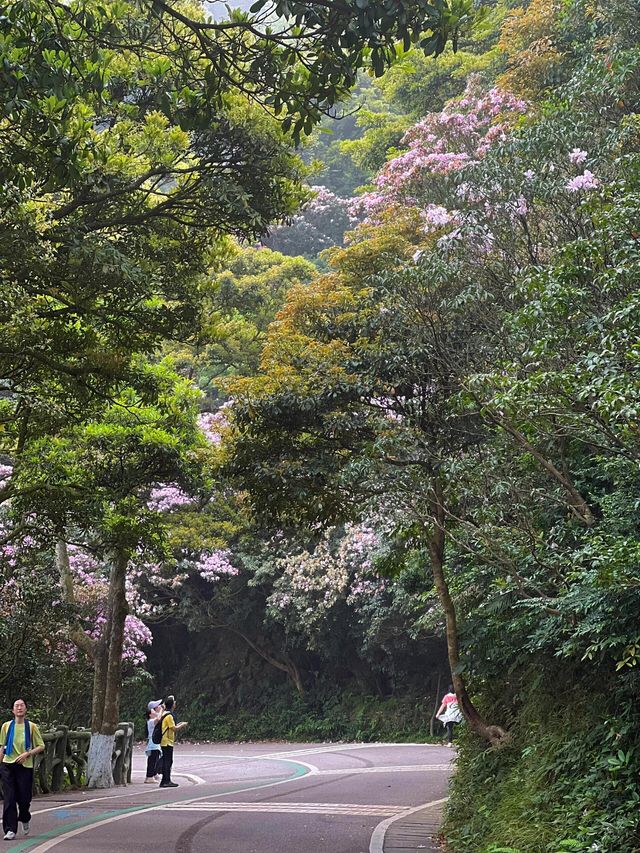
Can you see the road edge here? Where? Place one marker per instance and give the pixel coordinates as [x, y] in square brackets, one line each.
[376, 845]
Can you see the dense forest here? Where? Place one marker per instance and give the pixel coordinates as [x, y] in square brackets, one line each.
[320, 387]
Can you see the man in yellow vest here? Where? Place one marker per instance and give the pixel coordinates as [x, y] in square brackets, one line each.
[20, 740]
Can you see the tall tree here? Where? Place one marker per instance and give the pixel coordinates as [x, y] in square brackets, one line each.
[90, 485]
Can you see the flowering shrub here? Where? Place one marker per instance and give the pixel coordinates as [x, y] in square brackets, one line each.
[168, 497]
[438, 145]
[213, 423]
[214, 565]
[310, 583]
[320, 224]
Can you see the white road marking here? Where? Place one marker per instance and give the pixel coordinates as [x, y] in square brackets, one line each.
[396, 768]
[197, 780]
[291, 808]
[136, 793]
[376, 845]
[315, 750]
[53, 842]
[346, 747]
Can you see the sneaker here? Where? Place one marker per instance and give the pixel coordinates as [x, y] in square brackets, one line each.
[169, 785]
[150, 780]
[26, 826]
[450, 745]
[157, 778]
[9, 836]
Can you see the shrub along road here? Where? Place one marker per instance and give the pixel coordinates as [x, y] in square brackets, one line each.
[253, 798]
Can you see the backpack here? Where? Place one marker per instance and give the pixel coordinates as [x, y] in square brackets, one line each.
[156, 736]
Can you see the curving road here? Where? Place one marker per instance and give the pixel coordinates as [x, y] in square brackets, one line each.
[254, 798]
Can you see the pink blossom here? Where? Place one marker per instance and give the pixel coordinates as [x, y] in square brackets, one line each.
[586, 181]
[577, 156]
[5, 472]
[213, 423]
[214, 565]
[168, 497]
[519, 206]
[436, 217]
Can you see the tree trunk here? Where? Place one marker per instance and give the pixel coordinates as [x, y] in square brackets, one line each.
[496, 735]
[295, 676]
[286, 665]
[106, 655]
[108, 678]
[432, 721]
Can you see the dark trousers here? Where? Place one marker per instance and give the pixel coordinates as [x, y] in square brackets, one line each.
[167, 762]
[17, 788]
[449, 727]
[154, 763]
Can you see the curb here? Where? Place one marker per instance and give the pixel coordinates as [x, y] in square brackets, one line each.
[376, 845]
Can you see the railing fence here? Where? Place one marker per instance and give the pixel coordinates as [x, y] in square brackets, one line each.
[64, 760]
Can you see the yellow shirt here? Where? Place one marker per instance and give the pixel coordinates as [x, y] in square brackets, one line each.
[168, 730]
[19, 742]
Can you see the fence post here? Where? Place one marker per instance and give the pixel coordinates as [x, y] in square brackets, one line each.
[76, 756]
[129, 752]
[118, 756]
[58, 758]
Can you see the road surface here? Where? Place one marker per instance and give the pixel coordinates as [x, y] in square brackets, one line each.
[252, 798]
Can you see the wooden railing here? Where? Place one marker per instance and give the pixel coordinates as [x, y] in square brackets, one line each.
[64, 760]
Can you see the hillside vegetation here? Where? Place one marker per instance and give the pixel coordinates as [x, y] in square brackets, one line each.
[302, 435]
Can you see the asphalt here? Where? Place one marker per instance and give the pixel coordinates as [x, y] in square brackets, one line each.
[257, 798]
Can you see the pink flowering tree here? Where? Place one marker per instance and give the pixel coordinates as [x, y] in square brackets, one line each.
[320, 224]
[331, 600]
[196, 553]
[482, 187]
[438, 146]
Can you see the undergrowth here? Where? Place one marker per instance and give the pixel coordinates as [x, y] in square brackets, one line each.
[568, 781]
[294, 718]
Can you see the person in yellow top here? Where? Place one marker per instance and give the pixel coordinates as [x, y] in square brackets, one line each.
[20, 740]
[169, 729]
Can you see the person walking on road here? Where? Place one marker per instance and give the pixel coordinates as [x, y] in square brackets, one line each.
[153, 750]
[449, 713]
[169, 729]
[20, 740]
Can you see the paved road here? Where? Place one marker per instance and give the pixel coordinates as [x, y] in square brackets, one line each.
[249, 798]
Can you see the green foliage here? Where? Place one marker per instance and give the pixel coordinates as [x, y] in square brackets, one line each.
[117, 177]
[568, 780]
[481, 394]
[316, 717]
[239, 303]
